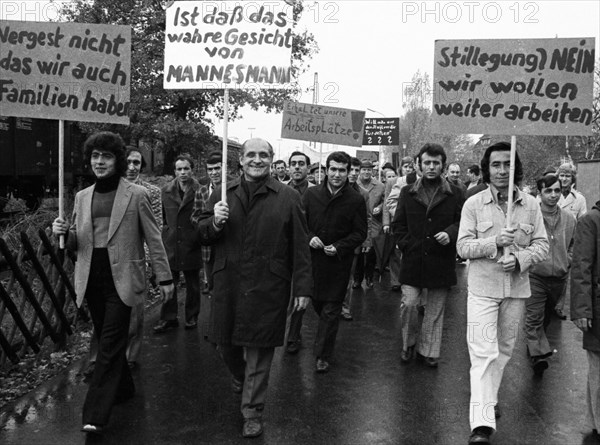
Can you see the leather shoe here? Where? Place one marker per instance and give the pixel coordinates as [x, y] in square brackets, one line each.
[480, 435]
[165, 325]
[406, 355]
[539, 366]
[432, 362]
[93, 429]
[191, 324]
[252, 427]
[370, 283]
[356, 285]
[346, 316]
[322, 366]
[293, 347]
[237, 386]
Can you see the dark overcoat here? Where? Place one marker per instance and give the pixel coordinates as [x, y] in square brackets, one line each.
[585, 276]
[340, 220]
[179, 235]
[263, 245]
[425, 262]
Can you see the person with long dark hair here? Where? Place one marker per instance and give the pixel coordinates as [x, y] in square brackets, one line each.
[111, 220]
[500, 256]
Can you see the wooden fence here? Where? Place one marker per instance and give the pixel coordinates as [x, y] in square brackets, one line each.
[37, 298]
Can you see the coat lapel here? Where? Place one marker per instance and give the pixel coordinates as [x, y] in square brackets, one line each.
[442, 192]
[122, 199]
[86, 213]
[189, 195]
[240, 194]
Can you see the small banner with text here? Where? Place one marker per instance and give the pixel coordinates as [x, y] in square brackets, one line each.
[70, 71]
[318, 123]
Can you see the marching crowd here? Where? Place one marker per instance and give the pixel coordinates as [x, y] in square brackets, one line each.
[285, 238]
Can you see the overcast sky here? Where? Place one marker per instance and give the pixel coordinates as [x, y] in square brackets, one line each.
[369, 49]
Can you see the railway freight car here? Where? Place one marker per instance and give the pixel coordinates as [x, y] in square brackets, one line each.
[29, 159]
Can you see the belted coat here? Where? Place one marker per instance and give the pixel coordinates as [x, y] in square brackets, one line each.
[425, 262]
[340, 220]
[260, 256]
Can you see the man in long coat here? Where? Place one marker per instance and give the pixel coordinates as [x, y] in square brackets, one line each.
[585, 309]
[426, 223]
[260, 243]
[181, 244]
[337, 221]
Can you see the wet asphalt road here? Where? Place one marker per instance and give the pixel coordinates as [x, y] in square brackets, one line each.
[368, 397]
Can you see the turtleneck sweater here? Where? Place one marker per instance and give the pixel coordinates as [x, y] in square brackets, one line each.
[102, 204]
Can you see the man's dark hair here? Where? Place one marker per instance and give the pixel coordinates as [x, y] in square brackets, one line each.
[485, 162]
[474, 169]
[299, 153]
[279, 161]
[432, 150]
[214, 157]
[355, 162]
[547, 180]
[338, 156]
[184, 157]
[107, 141]
[131, 149]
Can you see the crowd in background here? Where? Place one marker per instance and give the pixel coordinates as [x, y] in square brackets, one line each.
[290, 233]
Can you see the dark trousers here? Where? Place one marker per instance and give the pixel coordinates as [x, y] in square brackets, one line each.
[329, 321]
[545, 293]
[365, 265]
[252, 366]
[112, 379]
[295, 325]
[168, 310]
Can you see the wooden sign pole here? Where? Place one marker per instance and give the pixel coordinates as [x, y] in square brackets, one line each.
[61, 177]
[224, 161]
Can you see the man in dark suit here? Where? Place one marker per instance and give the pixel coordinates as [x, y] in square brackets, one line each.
[261, 255]
[111, 220]
[337, 223]
[183, 249]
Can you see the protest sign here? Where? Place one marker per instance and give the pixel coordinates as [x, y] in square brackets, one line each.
[228, 45]
[382, 131]
[69, 71]
[318, 123]
[512, 87]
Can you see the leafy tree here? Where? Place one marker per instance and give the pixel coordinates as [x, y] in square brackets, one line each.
[179, 118]
[415, 125]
